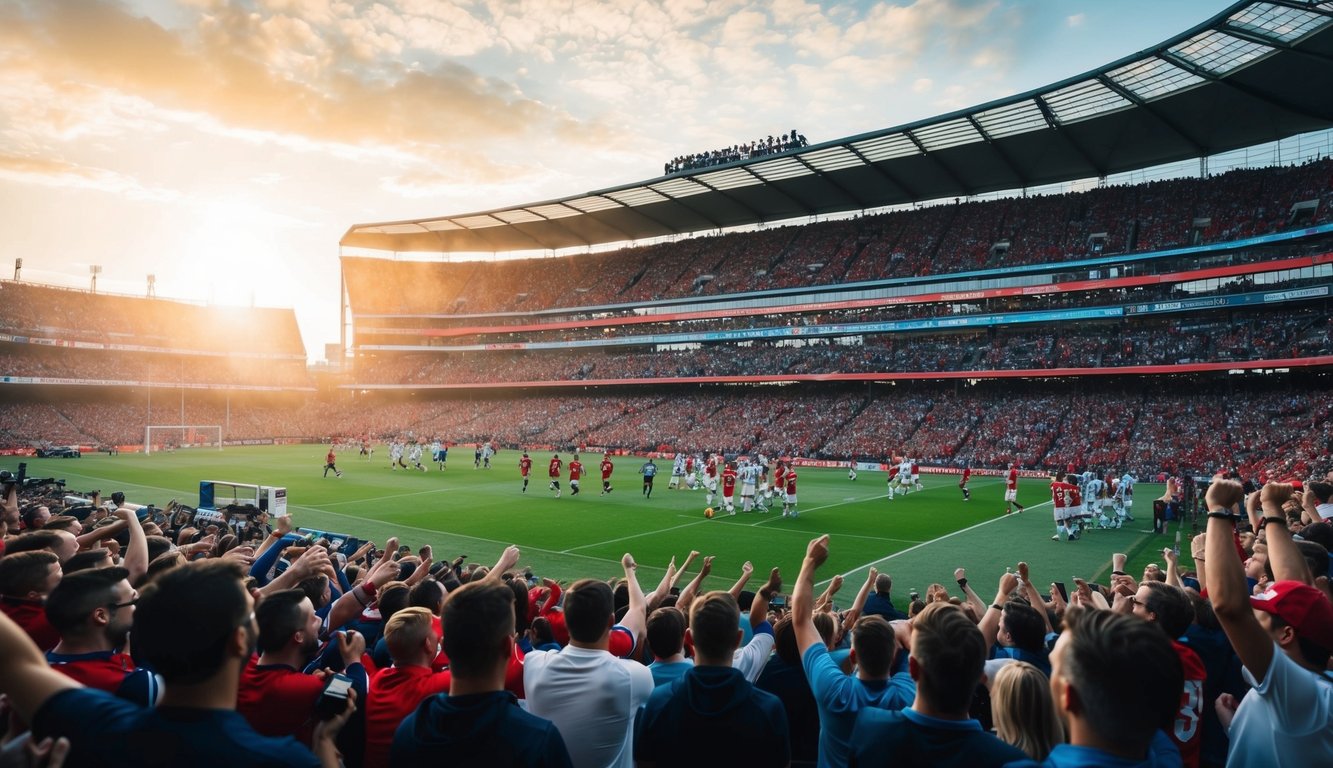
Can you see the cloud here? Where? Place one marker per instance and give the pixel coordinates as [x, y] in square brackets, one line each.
[1076, 20]
[57, 173]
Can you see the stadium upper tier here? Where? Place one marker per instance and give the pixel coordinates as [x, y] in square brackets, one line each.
[853, 253]
[49, 316]
[1256, 72]
[1220, 339]
[1196, 425]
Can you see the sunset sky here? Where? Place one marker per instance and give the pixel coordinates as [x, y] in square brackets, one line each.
[225, 146]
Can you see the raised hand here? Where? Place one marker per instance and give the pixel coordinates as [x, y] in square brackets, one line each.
[1224, 494]
[817, 551]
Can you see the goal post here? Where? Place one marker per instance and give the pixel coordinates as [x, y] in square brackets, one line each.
[169, 437]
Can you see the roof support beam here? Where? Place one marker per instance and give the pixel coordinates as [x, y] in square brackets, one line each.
[804, 206]
[884, 173]
[1254, 37]
[1055, 125]
[756, 214]
[1148, 109]
[1302, 7]
[963, 189]
[832, 182]
[639, 212]
[1253, 93]
[1000, 153]
[714, 223]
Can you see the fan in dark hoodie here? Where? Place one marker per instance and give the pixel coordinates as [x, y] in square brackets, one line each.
[478, 722]
[712, 716]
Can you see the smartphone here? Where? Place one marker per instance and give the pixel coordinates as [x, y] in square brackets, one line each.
[1064, 593]
[778, 601]
[333, 701]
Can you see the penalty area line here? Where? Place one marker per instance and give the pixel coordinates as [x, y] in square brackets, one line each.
[932, 541]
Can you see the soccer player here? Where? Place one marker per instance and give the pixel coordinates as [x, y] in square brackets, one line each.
[765, 492]
[851, 472]
[729, 488]
[442, 457]
[789, 499]
[476, 456]
[677, 472]
[649, 471]
[331, 462]
[1062, 500]
[414, 456]
[553, 471]
[396, 454]
[1011, 490]
[575, 474]
[905, 476]
[962, 482]
[780, 482]
[607, 469]
[749, 473]
[486, 453]
[916, 475]
[1126, 490]
[710, 479]
[893, 477]
[524, 469]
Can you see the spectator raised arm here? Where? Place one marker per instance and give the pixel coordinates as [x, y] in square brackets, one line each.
[135, 559]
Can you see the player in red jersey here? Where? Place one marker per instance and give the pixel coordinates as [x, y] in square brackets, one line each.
[331, 462]
[893, 475]
[780, 482]
[962, 483]
[575, 475]
[554, 472]
[1064, 495]
[1011, 490]
[789, 497]
[607, 469]
[916, 475]
[729, 488]
[524, 469]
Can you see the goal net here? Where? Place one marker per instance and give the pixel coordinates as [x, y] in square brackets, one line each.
[169, 438]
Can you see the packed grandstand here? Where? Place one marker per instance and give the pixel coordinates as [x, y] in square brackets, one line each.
[1176, 326]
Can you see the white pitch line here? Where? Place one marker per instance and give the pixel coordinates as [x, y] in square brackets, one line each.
[633, 536]
[932, 541]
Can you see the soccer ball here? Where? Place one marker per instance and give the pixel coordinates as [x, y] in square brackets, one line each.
[708, 513]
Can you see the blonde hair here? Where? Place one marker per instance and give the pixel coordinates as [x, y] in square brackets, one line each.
[1023, 711]
[405, 630]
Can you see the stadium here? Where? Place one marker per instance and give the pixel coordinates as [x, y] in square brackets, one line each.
[1079, 289]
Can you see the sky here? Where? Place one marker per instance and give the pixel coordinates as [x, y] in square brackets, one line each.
[225, 146]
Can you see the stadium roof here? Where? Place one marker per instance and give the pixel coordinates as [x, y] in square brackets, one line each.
[1257, 72]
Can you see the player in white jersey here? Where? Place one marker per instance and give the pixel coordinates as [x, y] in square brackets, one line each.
[905, 483]
[414, 456]
[1094, 489]
[677, 472]
[1125, 495]
[749, 475]
[396, 455]
[486, 453]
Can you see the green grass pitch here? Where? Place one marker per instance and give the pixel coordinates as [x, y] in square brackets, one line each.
[919, 538]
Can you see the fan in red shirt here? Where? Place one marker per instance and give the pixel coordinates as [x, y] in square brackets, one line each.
[524, 469]
[93, 610]
[275, 696]
[575, 475]
[553, 471]
[729, 488]
[607, 469]
[789, 499]
[26, 578]
[413, 641]
[1170, 609]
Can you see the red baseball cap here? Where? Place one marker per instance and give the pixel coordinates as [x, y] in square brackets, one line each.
[1301, 606]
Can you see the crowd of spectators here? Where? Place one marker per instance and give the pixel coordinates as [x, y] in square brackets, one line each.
[1235, 337]
[771, 145]
[933, 240]
[132, 368]
[64, 314]
[1142, 428]
[253, 644]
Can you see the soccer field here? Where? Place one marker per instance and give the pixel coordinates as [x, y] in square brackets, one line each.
[919, 538]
